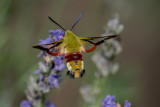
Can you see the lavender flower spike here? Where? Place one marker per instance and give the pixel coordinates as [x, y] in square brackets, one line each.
[59, 65]
[127, 104]
[54, 80]
[109, 101]
[57, 34]
[48, 104]
[46, 41]
[45, 78]
[25, 103]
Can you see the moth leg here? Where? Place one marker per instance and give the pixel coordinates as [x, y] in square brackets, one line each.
[72, 75]
[68, 72]
[82, 73]
[90, 50]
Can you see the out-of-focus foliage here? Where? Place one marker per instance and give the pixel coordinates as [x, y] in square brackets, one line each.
[24, 22]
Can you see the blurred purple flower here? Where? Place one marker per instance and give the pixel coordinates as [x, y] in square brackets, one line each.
[58, 60]
[59, 65]
[54, 80]
[42, 53]
[109, 101]
[127, 104]
[57, 34]
[48, 104]
[37, 71]
[46, 41]
[41, 76]
[25, 103]
[113, 25]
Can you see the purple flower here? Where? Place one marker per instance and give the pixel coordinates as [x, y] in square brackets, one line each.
[42, 53]
[59, 65]
[57, 34]
[37, 71]
[25, 103]
[46, 41]
[58, 60]
[54, 80]
[109, 101]
[127, 104]
[48, 104]
[41, 76]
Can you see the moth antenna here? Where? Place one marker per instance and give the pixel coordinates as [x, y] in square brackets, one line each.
[56, 23]
[77, 20]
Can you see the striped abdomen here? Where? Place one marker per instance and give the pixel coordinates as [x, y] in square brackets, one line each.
[75, 64]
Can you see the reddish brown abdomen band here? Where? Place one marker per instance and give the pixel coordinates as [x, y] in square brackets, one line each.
[73, 57]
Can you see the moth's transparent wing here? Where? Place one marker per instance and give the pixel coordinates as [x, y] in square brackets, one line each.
[94, 41]
[47, 47]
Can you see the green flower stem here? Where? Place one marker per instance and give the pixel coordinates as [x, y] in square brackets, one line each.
[101, 85]
[40, 104]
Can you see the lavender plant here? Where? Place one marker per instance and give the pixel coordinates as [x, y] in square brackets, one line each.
[106, 64]
[48, 75]
[109, 101]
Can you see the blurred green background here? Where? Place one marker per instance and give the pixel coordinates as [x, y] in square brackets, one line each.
[24, 22]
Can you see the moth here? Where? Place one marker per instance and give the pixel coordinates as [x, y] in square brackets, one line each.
[72, 47]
